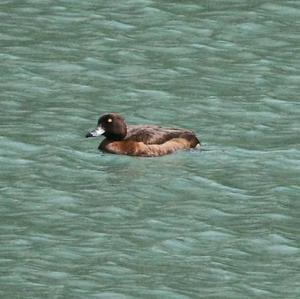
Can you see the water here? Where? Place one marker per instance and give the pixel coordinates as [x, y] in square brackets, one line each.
[218, 223]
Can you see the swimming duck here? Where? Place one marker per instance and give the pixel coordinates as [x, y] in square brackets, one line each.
[140, 140]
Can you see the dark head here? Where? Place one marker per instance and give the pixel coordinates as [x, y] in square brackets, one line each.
[110, 125]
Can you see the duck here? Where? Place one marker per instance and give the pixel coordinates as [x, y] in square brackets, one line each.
[140, 140]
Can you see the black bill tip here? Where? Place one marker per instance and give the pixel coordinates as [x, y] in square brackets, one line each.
[89, 134]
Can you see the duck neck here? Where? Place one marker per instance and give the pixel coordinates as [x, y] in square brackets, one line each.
[115, 136]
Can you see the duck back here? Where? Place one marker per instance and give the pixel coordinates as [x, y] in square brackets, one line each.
[149, 134]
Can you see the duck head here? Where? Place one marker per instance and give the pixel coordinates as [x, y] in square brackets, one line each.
[110, 125]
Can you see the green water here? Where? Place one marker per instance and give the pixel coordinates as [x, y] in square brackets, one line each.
[218, 223]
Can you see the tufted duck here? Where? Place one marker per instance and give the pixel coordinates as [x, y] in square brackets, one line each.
[140, 140]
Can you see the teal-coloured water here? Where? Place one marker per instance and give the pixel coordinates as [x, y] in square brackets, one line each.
[222, 222]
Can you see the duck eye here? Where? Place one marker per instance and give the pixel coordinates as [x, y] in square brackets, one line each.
[109, 120]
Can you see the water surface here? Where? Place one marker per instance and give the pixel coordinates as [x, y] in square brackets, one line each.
[218, 223]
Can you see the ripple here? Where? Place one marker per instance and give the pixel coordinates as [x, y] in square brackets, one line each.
[79, 223]
[282, 9]
[215, 235]
[283, 250]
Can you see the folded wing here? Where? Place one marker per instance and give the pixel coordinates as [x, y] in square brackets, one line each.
[158, 135]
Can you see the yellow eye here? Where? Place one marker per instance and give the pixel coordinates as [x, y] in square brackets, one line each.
[109, 120]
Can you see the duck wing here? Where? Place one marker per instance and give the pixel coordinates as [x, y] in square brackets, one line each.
[149, 134]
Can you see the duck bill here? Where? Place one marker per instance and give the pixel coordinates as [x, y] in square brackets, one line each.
[95, 133]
